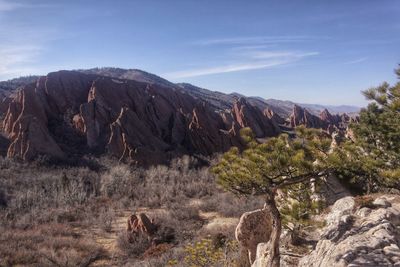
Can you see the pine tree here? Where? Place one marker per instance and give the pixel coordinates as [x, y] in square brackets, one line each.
[280, 162]
[372, 159]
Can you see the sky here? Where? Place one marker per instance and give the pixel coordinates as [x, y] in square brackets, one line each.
[307, 51]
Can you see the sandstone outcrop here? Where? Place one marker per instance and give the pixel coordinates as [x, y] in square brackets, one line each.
[326, 121]
[34, 115]
[148, 120]
[70, 112]
[140, 224]
[359, 236]
[301, 116]
[254, 227]
[328, 118]
[247, 115]
[274, 116]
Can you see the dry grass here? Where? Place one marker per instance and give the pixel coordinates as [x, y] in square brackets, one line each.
[41, 204]
[47, 245]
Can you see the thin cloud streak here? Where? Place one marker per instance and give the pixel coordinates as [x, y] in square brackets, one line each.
[222, 69]
[6, 5]
[356, 61]
[14, 59]
[259, 40]
[280, 54]
[9, 6]
[265, 59]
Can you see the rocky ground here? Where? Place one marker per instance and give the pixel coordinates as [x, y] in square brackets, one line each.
[361, 231]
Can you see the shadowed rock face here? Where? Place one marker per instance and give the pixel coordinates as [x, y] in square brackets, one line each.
[274, 116]
[68, 113]
[301, 116]
[248, 116]
[326, 121]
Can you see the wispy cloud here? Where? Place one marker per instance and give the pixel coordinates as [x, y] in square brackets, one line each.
[9, 6]
[259, 60]
[22, 43]
[259, 40]
[281, 54]
[14, 59]
[249, 53]
[359, 60]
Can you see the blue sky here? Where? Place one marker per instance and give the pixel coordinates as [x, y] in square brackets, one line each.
[308, 51]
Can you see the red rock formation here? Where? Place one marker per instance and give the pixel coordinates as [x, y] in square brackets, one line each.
[334, 125]
[328, 118]
[37, 107]
[4, 103]
[301, 116]
[148, 123]
[26, 126]
[248, 116]
[274, 116]
[141, 224]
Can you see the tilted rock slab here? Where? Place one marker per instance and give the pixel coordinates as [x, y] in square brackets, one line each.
[359, 236]
[145, 122]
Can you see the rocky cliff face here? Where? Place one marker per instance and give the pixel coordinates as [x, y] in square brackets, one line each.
[301, 116]
[325, 120]
[37, 108]
[359, 236]
[358, 233]
[68, 111]
[134, 114]
[248, 116]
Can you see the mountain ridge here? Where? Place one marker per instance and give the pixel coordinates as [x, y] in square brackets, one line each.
[138, 116]
[281, 107]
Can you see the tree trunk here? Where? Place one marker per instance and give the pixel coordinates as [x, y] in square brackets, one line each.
[274, 256]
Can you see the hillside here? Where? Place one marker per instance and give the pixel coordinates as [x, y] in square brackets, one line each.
[139, 116]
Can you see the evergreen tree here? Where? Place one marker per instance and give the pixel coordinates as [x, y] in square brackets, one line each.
[280, 162]
[372, 159]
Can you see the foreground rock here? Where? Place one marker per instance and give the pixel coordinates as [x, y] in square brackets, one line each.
[140, 224]
[254, 227]
[359, 236]
[158, 236]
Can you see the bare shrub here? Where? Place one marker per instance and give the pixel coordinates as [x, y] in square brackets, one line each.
[46, 245]
[3, 199]
[119, 181]
[169, 258]
[134, 245]
[229, 205]
[106, 219]
[183, 220]
[38, 197]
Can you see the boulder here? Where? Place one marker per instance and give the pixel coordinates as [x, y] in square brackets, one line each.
[141, 224]
[254, 227]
